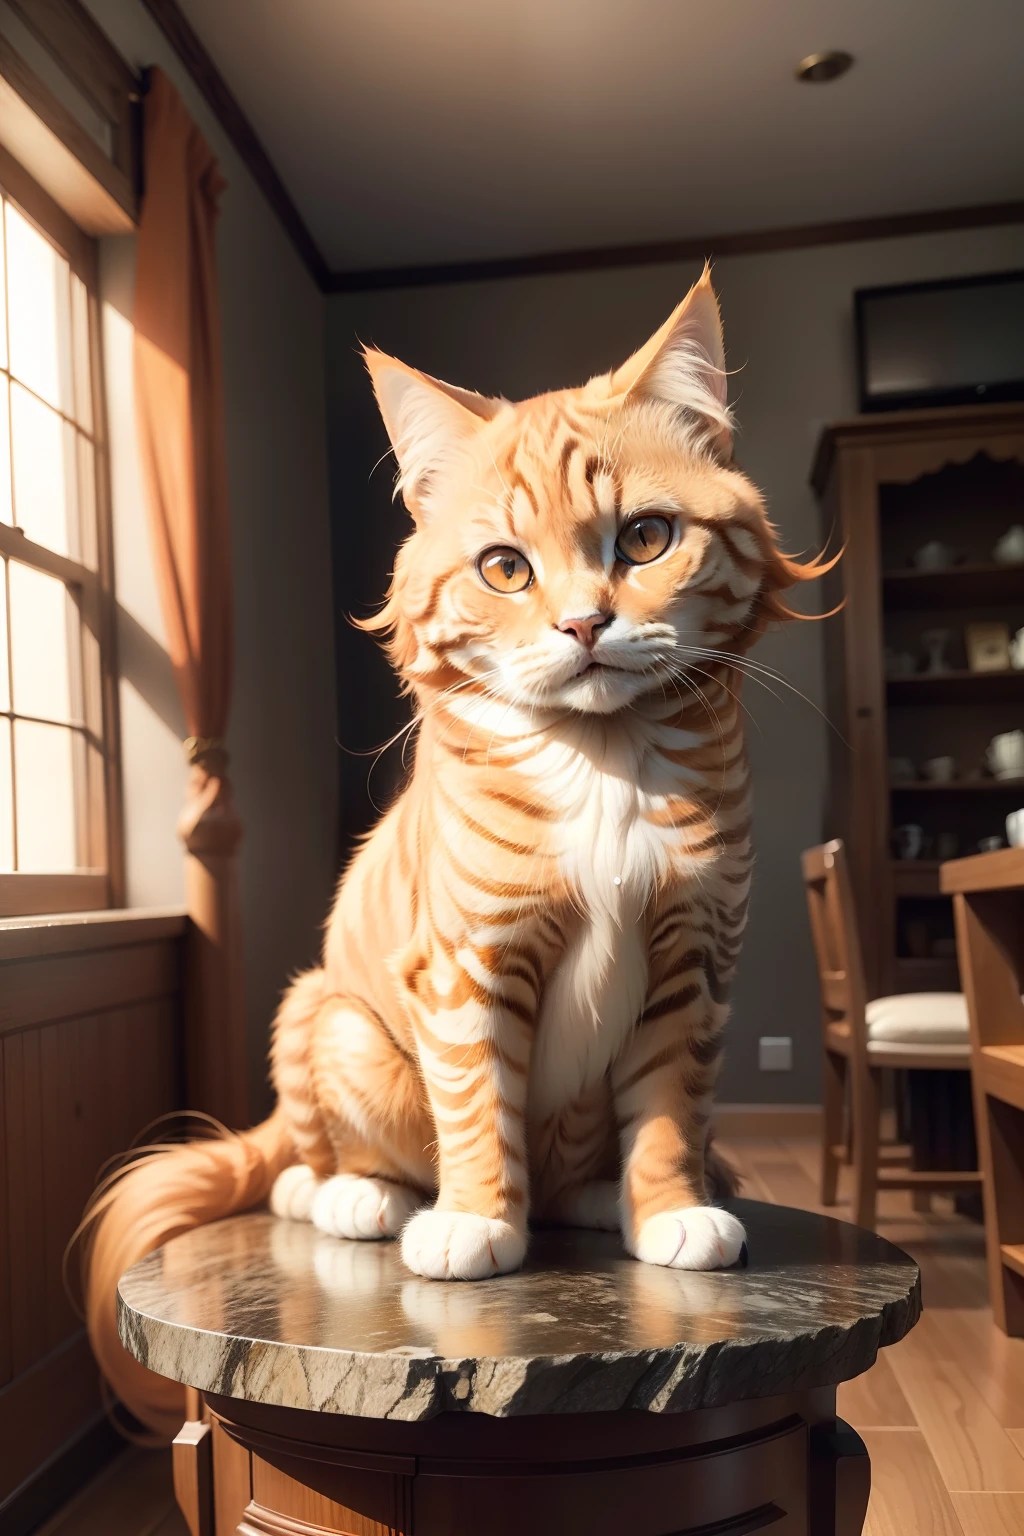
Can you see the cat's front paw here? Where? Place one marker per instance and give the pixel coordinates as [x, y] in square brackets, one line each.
[294, 1191]
[458, 1245]
[695, 1237]
[348, 1206]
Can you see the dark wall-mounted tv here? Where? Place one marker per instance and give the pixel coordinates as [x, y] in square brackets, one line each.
[944, 343]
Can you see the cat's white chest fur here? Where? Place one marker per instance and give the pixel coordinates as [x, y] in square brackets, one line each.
[612, 858]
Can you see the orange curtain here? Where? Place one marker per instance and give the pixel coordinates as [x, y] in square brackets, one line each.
[179, 398]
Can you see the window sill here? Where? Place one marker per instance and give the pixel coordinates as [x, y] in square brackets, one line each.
[23, 938]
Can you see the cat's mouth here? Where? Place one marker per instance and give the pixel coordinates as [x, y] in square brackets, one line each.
[595, 662]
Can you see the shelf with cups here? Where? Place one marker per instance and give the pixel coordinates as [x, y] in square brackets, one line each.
[956, 687]
[928, 507]
[958, 586]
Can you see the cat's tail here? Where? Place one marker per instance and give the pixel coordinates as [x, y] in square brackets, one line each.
[167, 1189]
[163, 1189]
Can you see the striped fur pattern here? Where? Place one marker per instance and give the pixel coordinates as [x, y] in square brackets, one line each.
[526, 972]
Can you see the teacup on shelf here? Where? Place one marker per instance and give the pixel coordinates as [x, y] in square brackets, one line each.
[1010, 548]
[940, 770]
[899, 664]
[901, 770]
[1005, 755]
[933, 556]
[908, 841]
[1015, 828]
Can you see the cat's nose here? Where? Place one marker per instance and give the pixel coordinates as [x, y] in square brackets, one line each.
[586, 629]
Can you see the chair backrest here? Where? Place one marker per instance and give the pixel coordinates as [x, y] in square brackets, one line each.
[836, 941]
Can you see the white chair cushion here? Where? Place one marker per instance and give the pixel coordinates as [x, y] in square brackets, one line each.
[918, 1018]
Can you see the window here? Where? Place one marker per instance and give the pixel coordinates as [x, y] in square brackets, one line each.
[57, 761]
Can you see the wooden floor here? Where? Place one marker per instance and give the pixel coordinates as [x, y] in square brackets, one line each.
[942, 1413]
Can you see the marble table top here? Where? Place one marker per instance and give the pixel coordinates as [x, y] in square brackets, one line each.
[272, 1311]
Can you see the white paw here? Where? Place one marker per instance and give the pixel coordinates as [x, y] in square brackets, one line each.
[697, 1237]
[595, 1205]
[293, 1192]
[456, 1245]
[348, 1206]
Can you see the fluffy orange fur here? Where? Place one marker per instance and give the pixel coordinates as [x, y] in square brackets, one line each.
[525, 975]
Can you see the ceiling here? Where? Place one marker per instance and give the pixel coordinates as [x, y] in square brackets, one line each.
[421, 131]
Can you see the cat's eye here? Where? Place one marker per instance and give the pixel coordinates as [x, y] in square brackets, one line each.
[504, 569]
[643, 540]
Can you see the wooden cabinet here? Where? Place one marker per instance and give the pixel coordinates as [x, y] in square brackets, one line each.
[888, 485]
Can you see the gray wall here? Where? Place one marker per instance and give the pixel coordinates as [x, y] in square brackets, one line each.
[788, 326]
[283, 724]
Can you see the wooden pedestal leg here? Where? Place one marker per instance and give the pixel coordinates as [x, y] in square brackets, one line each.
[192, 1460]
[840, 1481]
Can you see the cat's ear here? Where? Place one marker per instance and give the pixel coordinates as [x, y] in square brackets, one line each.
[430, 424]
[683, 365]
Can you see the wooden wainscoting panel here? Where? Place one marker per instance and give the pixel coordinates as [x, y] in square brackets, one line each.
[45, 1406]
[5, 1243]
[26, 1220]
[90, 1055]
[60, 986]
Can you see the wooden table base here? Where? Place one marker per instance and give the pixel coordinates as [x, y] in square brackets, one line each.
[785, 1465]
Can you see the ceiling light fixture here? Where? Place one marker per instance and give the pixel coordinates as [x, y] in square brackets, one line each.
[822, 67]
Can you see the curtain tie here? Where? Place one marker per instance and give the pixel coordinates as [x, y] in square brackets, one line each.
[207, 752]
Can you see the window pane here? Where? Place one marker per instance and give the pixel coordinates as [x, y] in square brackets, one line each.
[5, 688]
[6, 802]
[45, 797]
[80, 347]
[39, 312]
[5, 455]
[40, 638]
[44, 473]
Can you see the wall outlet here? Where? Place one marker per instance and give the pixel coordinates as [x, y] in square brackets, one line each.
[775, 1053]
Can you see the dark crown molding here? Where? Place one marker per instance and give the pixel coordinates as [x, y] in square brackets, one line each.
[240, 131]
[219, 96]
[748, 243]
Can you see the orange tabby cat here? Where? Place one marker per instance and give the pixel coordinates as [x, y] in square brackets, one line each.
[524, 980]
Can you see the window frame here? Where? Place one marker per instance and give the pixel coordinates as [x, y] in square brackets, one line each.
[98, 808]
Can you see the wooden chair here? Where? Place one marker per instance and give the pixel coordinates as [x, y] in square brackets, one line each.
[926, 1031]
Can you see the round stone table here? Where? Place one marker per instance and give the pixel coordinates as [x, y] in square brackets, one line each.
[587, 1395]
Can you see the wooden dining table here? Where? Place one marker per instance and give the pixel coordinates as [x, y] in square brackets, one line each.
[988, 900]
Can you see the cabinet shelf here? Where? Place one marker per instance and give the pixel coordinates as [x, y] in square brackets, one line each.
[957, 787]
[915, 877]
[961, 586]
[961, 687]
